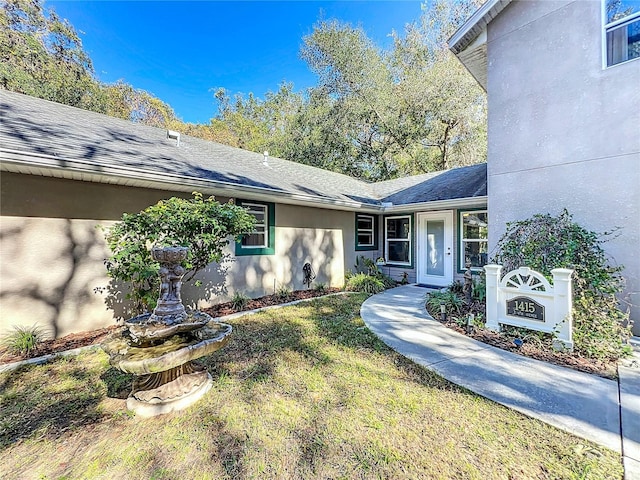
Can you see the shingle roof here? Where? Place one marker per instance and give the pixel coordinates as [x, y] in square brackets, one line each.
[37, 136]
[465, 182]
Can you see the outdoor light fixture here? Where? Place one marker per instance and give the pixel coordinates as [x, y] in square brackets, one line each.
[469, 323]
[443, 312]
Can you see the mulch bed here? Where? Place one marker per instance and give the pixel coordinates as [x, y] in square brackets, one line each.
[95, 337]
[532, 349]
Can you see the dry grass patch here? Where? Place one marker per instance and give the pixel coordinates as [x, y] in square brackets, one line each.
[300, 392]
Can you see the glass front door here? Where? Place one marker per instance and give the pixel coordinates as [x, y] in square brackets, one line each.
[435, 248]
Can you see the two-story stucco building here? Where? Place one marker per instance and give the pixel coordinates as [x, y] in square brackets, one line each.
[563, 84]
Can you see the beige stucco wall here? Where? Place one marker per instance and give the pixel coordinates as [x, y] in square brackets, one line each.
[564, 132]
[51, 253]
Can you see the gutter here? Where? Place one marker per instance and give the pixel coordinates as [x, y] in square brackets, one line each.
[467, 202]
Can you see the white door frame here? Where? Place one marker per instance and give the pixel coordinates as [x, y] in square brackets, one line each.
[422, 276]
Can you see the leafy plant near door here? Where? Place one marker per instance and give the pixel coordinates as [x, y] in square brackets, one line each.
[545, 242]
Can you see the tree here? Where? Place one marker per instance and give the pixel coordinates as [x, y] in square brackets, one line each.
[41, 55]
[202, 224]
[410, 110]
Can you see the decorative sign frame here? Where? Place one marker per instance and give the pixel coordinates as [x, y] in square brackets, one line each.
[524, 298]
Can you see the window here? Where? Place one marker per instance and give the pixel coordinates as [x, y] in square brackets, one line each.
[622, 30]
[473, 239]
[397, 239]
[262, 240]
[366, 232]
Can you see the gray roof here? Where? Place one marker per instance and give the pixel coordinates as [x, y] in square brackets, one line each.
[46, 138]
[465, 182]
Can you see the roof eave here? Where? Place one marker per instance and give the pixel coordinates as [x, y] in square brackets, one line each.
[467, 202]
[469, 41]
[44, 165]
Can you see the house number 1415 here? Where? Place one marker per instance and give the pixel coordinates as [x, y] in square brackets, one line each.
[525, 307]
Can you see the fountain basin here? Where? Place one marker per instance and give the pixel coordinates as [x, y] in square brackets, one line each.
[173, 352]
[148, 328]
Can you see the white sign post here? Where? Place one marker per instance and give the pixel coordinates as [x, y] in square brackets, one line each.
[524, 298]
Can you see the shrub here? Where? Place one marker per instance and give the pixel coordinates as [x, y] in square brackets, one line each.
[24, 340]
[239, 301]
[479, 288]
[362, 282]
[283, 292]
[543, 243]
[202, 224]
[320, 287]
[452, 302]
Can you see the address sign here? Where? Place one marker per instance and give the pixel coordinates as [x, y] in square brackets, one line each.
[525, 307]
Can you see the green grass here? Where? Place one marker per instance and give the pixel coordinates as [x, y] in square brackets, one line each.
[301, 392]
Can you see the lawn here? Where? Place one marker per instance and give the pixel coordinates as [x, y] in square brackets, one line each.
[300, 392]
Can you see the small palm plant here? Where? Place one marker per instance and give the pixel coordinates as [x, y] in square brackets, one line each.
[239, 301]
[24, 340]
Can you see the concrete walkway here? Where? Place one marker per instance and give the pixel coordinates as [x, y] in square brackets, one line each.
[586, 405]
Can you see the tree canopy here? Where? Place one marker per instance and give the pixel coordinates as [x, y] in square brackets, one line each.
[374, 114]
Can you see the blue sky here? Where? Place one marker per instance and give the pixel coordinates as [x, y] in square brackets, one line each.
[182, 51]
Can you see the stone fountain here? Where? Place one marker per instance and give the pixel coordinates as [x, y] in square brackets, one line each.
[159, 347]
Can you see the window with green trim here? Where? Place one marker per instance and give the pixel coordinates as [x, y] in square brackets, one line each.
[397, 239]
[473, 238]
[262, 240]
[366, 232]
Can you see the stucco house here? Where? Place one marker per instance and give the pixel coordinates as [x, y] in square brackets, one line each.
[563, 86]
[64, 171]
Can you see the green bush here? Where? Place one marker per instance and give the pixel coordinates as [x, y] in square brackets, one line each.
[362, 282]
[202, 224]
[24, 340]
[283, 292]
[452, 302]
[239, 301]
[479, 288]
[367, 266]
[320, 287]
[543, 243]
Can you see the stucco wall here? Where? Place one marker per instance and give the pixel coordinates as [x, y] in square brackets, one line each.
[51, 253]
[563, 131]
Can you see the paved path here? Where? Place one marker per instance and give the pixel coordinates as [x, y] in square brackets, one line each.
[585, 405]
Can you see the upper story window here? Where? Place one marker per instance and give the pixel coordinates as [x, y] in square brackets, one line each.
[473, 239]
[622, 30]
[262, 240]
[366, 232]
[397, 239]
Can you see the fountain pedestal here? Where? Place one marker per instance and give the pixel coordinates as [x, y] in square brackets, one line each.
[159, 348]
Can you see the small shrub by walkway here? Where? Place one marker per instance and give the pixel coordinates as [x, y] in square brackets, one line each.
[300, 392]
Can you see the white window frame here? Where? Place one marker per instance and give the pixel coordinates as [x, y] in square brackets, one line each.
[387, 240]
[371, 231]
[607, 27]
[259, 228]
[463, 240]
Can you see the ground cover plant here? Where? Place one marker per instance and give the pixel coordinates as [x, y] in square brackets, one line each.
[300, 392]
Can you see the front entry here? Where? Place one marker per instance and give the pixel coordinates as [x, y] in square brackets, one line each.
[435, 248]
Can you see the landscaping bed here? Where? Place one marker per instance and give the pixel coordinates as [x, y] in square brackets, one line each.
[533, 345]
[94, 337]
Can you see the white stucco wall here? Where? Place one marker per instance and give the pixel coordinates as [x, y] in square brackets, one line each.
[563, 131]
